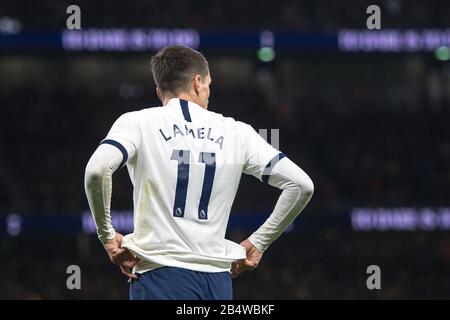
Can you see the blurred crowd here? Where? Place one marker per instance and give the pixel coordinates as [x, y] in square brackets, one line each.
[321, 265]
[365, 139]
[370, 129]
[288, 15]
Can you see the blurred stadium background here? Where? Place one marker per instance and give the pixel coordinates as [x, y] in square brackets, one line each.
[365, 113]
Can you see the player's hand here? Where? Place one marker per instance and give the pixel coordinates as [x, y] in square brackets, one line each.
[121, 256]
[250, 263]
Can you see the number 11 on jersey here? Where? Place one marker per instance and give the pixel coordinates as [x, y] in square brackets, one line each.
[183, 158]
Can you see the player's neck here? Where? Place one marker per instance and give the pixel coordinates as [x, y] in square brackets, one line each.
[181, 96]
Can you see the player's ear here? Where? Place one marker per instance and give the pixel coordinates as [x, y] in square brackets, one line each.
[158, 93]
[197, 83]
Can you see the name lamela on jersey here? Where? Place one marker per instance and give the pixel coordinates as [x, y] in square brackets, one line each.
[196, 133]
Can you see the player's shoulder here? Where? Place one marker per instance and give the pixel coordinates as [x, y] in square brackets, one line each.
[243, 128]
[227, 121]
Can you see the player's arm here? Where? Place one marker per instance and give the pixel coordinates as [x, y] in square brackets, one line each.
[98, 186]
[110, 155]
[297, 189]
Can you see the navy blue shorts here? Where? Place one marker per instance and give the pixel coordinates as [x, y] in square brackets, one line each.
[169, 283]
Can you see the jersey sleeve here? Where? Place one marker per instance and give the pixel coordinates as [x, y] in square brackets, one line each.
[260, 156]
[124, 135]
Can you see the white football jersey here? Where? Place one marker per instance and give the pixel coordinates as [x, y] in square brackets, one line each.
[185, 164]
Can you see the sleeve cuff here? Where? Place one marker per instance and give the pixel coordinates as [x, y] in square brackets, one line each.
[106, 238]
[256, 243]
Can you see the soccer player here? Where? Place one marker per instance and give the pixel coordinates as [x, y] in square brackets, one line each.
[185, 163]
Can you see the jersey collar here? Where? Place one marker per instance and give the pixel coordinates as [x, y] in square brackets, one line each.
[176, 102]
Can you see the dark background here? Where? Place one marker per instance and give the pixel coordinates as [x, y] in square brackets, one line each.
[371, 130]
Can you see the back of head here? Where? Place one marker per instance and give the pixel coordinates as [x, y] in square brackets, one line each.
[174, 68]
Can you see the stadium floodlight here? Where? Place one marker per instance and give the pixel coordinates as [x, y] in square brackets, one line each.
[266, 54]
[442, 53]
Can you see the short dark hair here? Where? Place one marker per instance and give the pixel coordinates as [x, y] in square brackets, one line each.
[174, 67]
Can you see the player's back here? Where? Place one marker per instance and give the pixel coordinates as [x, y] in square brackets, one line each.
[185, 172]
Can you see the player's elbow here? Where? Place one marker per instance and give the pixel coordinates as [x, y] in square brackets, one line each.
[307, 188]
[93, 174]
[304, 184]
